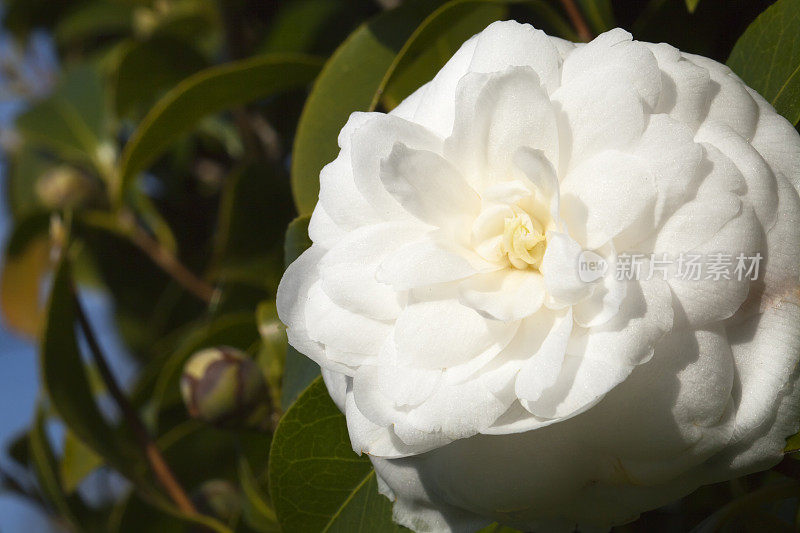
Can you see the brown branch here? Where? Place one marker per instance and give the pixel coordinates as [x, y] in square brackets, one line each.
[160, 468]
[575, 16]
[171, 265]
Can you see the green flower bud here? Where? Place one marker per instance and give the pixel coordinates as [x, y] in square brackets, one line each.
[218, 498]
[220, 384]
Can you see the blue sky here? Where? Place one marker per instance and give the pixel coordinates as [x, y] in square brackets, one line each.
[19, 386]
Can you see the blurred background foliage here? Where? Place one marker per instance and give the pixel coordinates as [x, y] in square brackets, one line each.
[166, 153]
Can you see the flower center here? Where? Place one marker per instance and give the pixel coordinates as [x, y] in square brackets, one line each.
[523, 241]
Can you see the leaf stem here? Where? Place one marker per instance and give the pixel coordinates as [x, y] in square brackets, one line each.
[157, 463]
[170, 264]
[576, 17]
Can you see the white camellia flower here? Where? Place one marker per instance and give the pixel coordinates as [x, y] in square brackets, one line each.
[463, 293]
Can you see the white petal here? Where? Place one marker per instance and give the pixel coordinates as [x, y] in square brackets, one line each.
[508, 294]
[508, 43]
[731, 104]
[610, 195]
[596, 117]
[606, 356]
[686, 88]
[761, 185]
[614, 56]
[668, 151]
[441, 334]
[428, 262]
[495, 115]
[370, 244]
[292, 299]
[322, 230]
[560, 270]
[367, 437]
[428, 187]
[542, 369]
[372, 142]
[354, 287]
[778, 143]
[341, 329]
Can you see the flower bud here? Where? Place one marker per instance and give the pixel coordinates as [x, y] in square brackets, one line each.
[218, 498]
[220, 384]
[64, 187]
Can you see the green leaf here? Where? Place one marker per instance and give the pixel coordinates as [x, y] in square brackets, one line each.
[297, 240]
[65, 379]
[258, 511]
[298, 372]
[767, 57]
[166, 61]
[792, 443]
[25, 262]
[272, 355]
[497, 528]
[244, 235]
[94, 21]
[317, 482]
[348, 82]
[210, 91]
[296, 25]
[23, 170]
[71, 122]
[691, 5]
[77, 462]
[46, 470]
[599, 15]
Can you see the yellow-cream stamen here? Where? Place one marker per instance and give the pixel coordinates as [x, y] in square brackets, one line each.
[523, 241]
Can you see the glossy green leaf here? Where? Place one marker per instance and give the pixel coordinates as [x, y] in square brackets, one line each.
[135, 514]
[297, 25]
[767, 57]
[165, 60]
[299, 371]
[257, 509]
[95, 20]
[25, 262]
[497, 528]
[77, 462]
[71, 122]
[210, 91]
[46, 469]
[317, 482]
[297, 240]
[245, 238]
[598, 14]
[65, 379]
[347, 83]
[272, 354]
[792, 444]
[23, 170]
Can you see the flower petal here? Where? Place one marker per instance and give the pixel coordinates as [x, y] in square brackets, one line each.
[506, 295]
[428, 187]
[444, 333]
